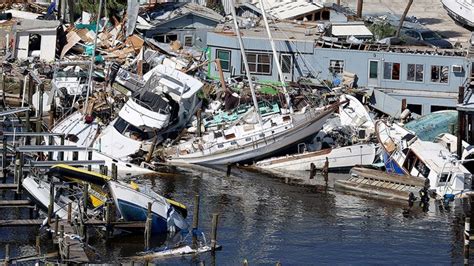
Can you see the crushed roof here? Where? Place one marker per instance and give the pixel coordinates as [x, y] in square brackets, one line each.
[288, 9]
[169, 11]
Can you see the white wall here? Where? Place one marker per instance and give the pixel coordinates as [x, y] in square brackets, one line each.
[48, 44]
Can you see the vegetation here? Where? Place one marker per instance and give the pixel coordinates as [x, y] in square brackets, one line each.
[114, 7]
[382, 30]
[216, 5]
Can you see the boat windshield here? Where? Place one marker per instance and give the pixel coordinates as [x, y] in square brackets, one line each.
[133, 132]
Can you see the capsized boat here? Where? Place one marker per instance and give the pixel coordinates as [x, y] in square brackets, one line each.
[340, 158]
[97, 182]
[430, 126]
[133, 205]
[405, 154]
[162, 102]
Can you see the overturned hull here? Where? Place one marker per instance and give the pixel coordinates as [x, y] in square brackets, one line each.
[339, 159]
[379, 184]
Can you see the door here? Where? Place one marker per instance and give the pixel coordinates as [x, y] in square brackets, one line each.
[374, 73]
[286, 62]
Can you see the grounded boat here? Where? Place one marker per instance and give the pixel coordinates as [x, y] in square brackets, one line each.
[163, 102]
[461, 11]
[341, 158]
[249, 139]
[133, 204]
[405, 154]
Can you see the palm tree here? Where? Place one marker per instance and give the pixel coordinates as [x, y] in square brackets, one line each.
[402, 19]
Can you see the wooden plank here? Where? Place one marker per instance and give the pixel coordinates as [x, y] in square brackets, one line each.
[77, 253]
[22, 222]
[15, 203]
[7, 186]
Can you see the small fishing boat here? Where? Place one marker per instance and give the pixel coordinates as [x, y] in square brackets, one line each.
[97, 182]
[133, 205]
[405, 154]
[340, 159]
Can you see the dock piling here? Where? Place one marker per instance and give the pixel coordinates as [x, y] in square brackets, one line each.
[114, 172]
[467, 231]
[61, 153]
[229, 169]
[51, 202]
[148, 225]
[85, 200]
[7, 254]
[4, 158]
[50, 143]
[69, 212]
[195, 219]
[56, 227]
[215, 221]
[38, 245]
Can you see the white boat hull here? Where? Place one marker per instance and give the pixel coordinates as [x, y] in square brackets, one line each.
[339, 158]
[39, 192]
[133, 204]
[260, 148]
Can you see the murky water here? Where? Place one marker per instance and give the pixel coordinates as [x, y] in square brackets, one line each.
[265, 221]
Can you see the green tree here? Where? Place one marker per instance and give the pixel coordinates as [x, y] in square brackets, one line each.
[114, 7]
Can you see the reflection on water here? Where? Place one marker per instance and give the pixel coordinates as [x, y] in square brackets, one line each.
[264, 221]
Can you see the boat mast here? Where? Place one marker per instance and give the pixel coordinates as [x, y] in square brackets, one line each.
[91, 69]
[275, 56]
[244, 58]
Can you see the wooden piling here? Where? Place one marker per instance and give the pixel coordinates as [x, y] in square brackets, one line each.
[38, 245]
[89, 157]
[461, 121]
[20, 173]
[61, 153]
[75, 155]
[467, 232]
[114, 172]
[195, 219]
[69, 212]
[7, 254]
[85, 199]
[148, 225]
[50, 143]
[56, 227]
[39, 119]
[51, 202]
[4, 158]
[229, 169]
[215, 220]
[61, 231]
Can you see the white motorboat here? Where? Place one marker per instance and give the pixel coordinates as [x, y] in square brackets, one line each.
[405, 154]
[163, 102]
[133, 205]
[77, 130]
[462, 11]
[341, 158]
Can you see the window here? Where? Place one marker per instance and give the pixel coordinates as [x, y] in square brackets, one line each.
[415, 72]
[224, 57]
[391, 71]
[373, 69]
[436, 108]
[336, 66]
[415, 108]
[166, 38]
[259, 63]
[439, 74]
[286, 62]
[188, 40]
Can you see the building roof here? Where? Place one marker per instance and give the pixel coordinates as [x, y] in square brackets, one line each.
[288, 9]
[36, 24]
[169, 11]
[350, 29]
